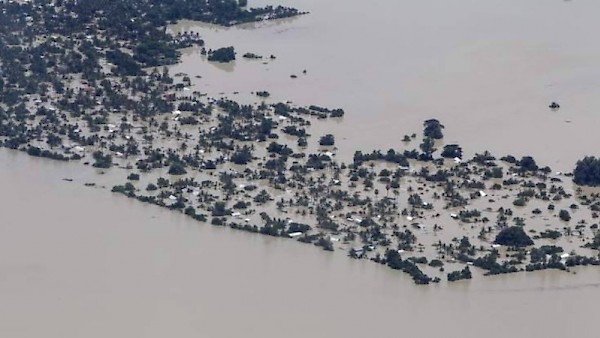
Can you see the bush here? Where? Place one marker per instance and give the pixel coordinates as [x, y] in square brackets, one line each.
[177, 168]
[458, 275]
[190, 211]
[564, 215]
[217, 221]
[241, 205]
[520, 202]
[162, 182]
[126, 189]
[436, 263]
[133, 177]
[595, 243]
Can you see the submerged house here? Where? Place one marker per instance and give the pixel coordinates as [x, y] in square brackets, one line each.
[357, 252]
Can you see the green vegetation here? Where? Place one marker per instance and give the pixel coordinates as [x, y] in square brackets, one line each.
[527, 163]
[219, 209]
[551, 234]
[102, 160]
[513, 236]
[587, 171]
[223, 55]
[126, 189]
[564, 215]
[177, 168]
[595, 243]
[433, 129]
[133, 177]
[459, 275]
[452, 151]
[327, 140]
[87, 83]
[394, 261]
[251, 56]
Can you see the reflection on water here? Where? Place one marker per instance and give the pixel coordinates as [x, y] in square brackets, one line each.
[227, 67]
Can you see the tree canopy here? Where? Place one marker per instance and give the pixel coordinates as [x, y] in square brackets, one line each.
[433, 129]
[225, 54]
[513, 236]
[587, 171]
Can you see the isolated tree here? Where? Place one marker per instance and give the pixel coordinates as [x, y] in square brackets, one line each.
[513, 236]
[433, 128]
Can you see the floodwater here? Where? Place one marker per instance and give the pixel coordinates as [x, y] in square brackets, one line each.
[78, 261]
[487, 69]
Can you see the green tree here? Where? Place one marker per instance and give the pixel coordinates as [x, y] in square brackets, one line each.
[587, 171]
[428, 145]
[433, 129]
[452, 151]
[527, 163]
[223, 55]
[102, 160]
[513, 236]
[219, 209]
[177, 168]
[327, 140]
[564, 215]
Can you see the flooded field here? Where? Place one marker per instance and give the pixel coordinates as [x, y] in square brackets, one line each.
[77, 261]
[487, 69]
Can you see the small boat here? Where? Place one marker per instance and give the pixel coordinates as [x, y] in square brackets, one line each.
[554, 106]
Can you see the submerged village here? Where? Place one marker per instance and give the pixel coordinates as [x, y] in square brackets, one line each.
[88, 82]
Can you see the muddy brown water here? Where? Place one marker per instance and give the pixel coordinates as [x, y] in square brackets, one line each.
[487, 69]
[77, 261]
[80, 262]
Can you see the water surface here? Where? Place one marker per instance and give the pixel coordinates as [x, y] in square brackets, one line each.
[81, 262]
[487, 69]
